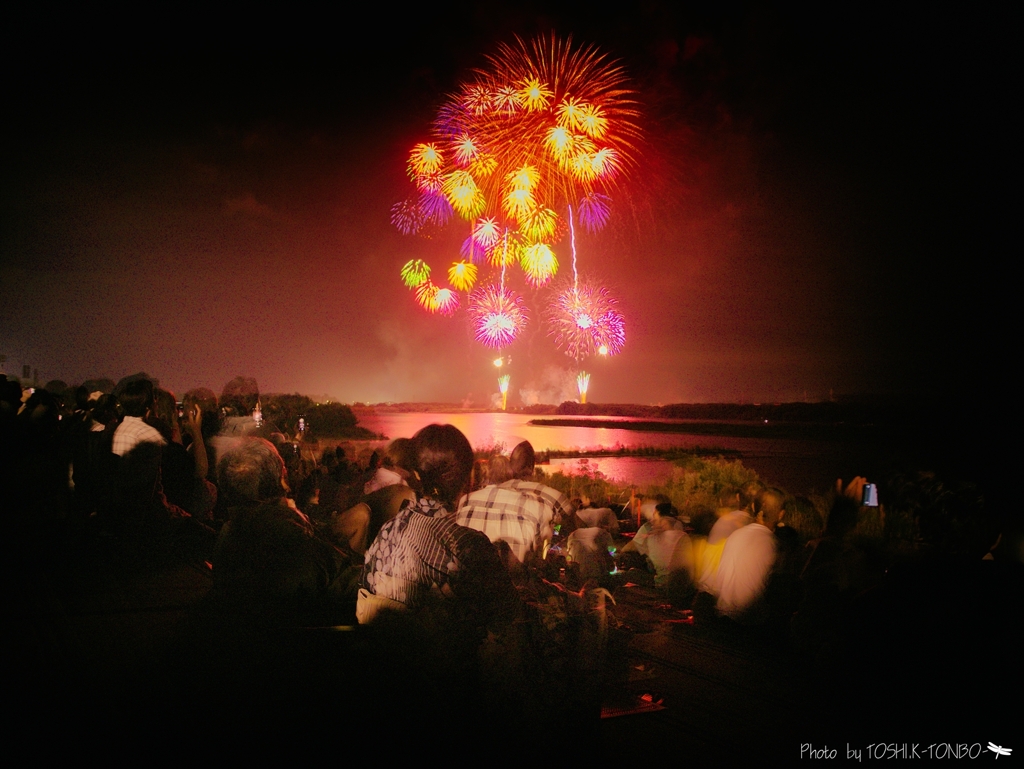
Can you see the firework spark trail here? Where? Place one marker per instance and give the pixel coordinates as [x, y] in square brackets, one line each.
[583, 384]
[503, 381]
[572, 241]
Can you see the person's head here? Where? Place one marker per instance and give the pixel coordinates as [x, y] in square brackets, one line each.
[842, 516]
[593, 494]
[444, 462]
[749, 494]
[649, 506]
[82, 398]
[137, 398]
[665, 516]
[400, 455]
[165, 409]
[729, 499]
[665, 509]
[206, 400]
[523, 459]
[769, 507]
[702, 521]
[499, 470]
[251, 472]
[240, 396]
[203, 397]
[104, 409]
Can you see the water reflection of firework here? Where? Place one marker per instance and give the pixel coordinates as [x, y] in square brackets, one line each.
[498, 315]
[503, 381]
[582, 384]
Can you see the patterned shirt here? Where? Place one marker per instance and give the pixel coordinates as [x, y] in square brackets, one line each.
[559, 503]
[520, 518]
[423, 553]
[131, 432]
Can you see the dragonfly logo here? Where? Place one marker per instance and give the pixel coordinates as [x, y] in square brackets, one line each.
[999, 750]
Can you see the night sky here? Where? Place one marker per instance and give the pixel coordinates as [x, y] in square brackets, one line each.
[816, 210]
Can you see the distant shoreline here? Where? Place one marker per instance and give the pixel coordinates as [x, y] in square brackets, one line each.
[778, 430]
[866, 413]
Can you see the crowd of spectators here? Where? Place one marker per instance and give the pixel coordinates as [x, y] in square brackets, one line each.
[440, 549]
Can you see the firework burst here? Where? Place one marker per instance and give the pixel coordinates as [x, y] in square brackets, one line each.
[415, 273]
[408, 217]
[539, 263]
[562, 111]
[541, 133]
[462, 275]
[545, 125]
[584, 317]
[445, 301]
[426, 295]
[424, 160]
[610, 333]
[498, 315]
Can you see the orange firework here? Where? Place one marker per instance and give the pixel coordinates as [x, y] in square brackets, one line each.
[426, 295]
[503, 381]
[424, 160]
[540, 134]
[462, 275]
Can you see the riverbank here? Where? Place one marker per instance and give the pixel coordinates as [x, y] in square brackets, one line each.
[813, 431]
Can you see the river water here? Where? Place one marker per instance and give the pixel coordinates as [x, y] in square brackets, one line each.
[795, 464]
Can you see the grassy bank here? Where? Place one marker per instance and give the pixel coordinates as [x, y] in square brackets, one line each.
[914, 504]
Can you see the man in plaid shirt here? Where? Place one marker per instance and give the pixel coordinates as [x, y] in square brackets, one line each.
[518, 511]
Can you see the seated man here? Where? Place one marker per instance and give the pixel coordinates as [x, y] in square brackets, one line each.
[359, 525]
[268, 561]
[523, 462]
[135, 506]
[730, 520]
[649, 509]
[663, 541]
[592, 515]
[747, 560]
[590, 547]
[519, 518]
